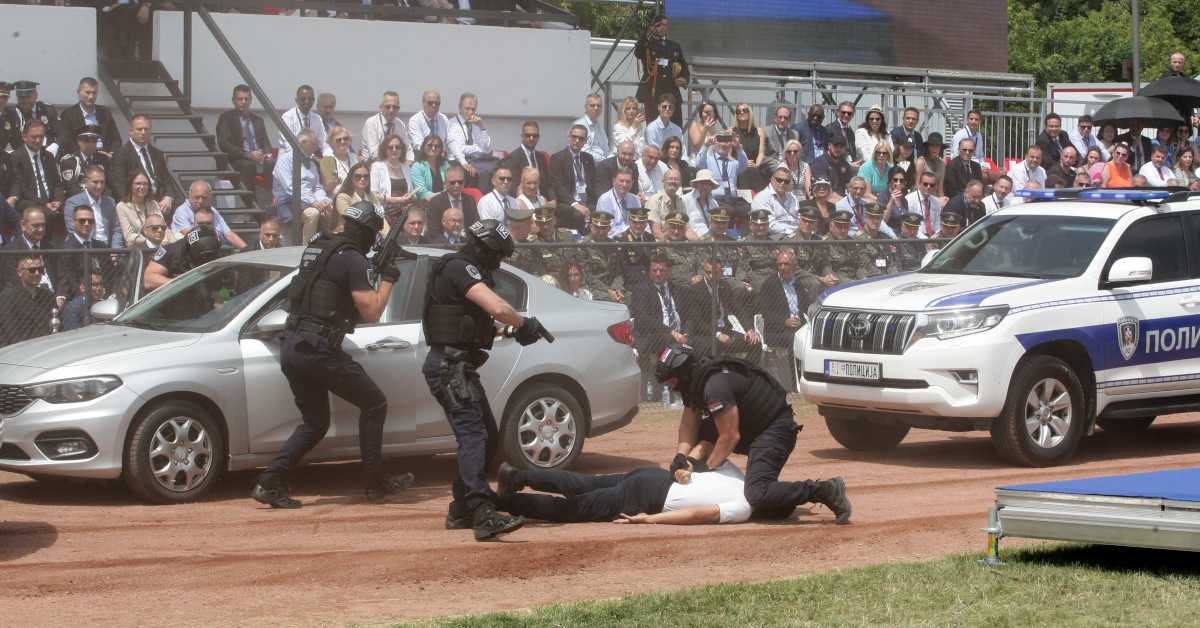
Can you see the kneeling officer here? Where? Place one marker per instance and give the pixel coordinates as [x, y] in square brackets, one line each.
[742, 409]
[325, 299]
[461, 309]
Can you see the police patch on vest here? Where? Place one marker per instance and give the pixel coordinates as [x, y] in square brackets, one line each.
[68, 174]
[160, 253]
[193, 236]
[354, 212]
[474, 272]
[1127, 336]
[503, 231]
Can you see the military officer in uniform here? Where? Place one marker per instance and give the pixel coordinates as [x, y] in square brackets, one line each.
[812, 262]
[758, 262]
[911, 250]
[520, 227]
[951, 226]
[685, 260]
[718, 231]
[553, 259]
[845, 259]
[329, 295]
[8, 121]
[72, 166]
[633, 262]
[461, 310]
[664, 70]
[599, 263]
[28, 109]
[877, 258]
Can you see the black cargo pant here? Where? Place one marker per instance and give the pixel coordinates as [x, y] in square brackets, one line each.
[590, 497]
[314, 368]
[767, 453]
[454, 382]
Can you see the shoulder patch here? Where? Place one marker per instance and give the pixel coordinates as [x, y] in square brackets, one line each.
[160, 253]
[715, 407]
[474, 272]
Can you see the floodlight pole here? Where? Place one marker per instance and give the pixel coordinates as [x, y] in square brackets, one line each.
[1137, 48]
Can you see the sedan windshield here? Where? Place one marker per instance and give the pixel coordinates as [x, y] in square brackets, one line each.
[1036, 246]
[203, 300]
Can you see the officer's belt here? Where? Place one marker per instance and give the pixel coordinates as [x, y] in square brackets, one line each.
[308, 326]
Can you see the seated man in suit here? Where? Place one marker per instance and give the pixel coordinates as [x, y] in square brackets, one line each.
[527, 155]
[969, 204]
[451, 197]
[34, 179]
[106, 229]
[451, 227]
[87, 113]
[783, 299]
[719, 316]
[269, 236]
[26, 303]
[33, 237]
[606, 170]
[572, 171]
[71, 268]
[139, 155]
[962, 169]
[657, 307]
[242, 136]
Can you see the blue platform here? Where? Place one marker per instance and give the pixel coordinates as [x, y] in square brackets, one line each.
[1178, 484]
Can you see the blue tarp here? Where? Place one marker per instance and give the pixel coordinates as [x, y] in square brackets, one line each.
[1179, 485]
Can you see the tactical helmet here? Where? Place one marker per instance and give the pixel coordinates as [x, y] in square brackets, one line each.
[675, 363]
[490, 241]
[202, 245]
[362, 222]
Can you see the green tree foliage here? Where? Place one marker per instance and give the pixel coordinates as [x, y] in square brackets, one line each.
[607, 19]
[1088, 40]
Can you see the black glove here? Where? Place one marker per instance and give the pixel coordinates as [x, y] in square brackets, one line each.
[390, 273]
[529, 332]
[698, 466]
[680, 461]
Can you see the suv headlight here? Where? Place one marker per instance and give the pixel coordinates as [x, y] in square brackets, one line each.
[955, 323]
[74, 390]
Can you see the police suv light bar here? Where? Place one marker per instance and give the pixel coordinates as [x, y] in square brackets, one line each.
[1094, 194]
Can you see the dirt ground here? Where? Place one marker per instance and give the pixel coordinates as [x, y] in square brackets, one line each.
[86, 554]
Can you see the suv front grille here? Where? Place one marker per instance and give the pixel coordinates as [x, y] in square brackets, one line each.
[13, 399]
[862, 332]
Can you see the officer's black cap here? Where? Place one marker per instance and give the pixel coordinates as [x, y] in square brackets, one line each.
[89, 131]
[760, 216]
[5, 88]
[951, 219]
[25, 88]
[810, 214]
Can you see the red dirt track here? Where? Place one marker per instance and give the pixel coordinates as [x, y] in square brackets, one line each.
[88, 554]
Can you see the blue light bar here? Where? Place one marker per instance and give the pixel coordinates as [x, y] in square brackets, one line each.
[1041, 194]
[1125, 195]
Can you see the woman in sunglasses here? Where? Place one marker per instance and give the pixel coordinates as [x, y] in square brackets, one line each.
[1118, 174]
[702, 130]
[391, 179]
[875, 171]
[870, 134]
[133, 210]
[355, 189]
[429, 170]
[753, 142]
[335, 166]
[630, 126]
[895, 205]
[793, 156]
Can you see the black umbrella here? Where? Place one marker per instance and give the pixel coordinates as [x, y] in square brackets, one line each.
[1181, 91]
[1150, 112]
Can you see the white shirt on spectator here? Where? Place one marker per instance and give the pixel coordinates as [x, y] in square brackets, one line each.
[916, 205]
[610, 202]
[724, 487]
[185, 218]
[297, 122]
[381, 179]
[597, 142]
[965, 134]
[1082, 145]
[1155, 176]
[697, 215]
[460, 149]
[993, 204]
[724, 169]
[418, 130]
[865, 143]
[860, 207]
[493, 204]
[311, 189]
[650, 182]
[622, 133]
[657, 132]
[1021, 176]
[374, 130]
[784, 208]
[531, 203]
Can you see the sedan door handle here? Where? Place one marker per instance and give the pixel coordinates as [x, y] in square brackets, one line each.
[389, 344]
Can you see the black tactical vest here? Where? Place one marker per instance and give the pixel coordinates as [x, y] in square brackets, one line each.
[462, 324]
[762, 403]
[314, 298]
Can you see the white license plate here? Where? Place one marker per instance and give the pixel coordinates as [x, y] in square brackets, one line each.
[853, 370]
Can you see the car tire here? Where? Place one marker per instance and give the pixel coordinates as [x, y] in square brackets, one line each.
[188, 453]
[544, 427]
[1044, 418]
[861, 434]
[1126, 426]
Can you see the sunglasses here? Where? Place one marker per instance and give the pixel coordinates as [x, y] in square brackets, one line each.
[504, 178]
[881, 154]
[342, 139]
[743, 110]
[845, 113]
[34, 269]
[84, 221]
[1085, 126]
[156, 227]
[792, 152]
[395, 147]
[897, 179]
[926, 184]
[781, 180]
[361, 177]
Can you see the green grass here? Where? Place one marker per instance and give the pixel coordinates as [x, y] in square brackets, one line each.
[1067, 585]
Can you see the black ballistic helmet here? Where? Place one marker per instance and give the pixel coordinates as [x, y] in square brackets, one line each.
[362, 222]
[675, 362]
[202, 245]
[490, 242]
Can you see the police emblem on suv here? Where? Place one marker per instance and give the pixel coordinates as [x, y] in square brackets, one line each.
[1127, 336]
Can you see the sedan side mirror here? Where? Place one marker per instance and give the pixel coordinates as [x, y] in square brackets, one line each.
[106, 310]
[1130, 270]
[272, 323]
[928, 256]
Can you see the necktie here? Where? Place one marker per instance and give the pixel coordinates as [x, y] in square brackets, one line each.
[725, 173]
[578, 170]
[672, 318]
[530, 158]
[456, 203]
[303, 118]
[432, 123]
[40, 175]
[248, 135]
[928, 217]
[387, 129]
[149, 167]
[504, 200]
[858, 212]
[470, 137]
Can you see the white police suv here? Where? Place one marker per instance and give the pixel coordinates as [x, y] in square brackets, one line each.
[1037, 323]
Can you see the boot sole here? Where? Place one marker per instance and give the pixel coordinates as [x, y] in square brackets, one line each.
[487, 535]
[289, 504]
[844, 517]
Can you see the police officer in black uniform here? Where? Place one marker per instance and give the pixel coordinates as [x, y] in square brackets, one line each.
[28, 109]
[329, 295]
[73, 166]
[743, 409]
[664, 70]
[461, 309]
[198, 247]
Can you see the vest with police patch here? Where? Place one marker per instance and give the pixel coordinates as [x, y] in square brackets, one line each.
[461, 324]
[316, 298]
[763, 402]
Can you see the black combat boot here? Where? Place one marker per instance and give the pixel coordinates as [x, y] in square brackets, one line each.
[832, 494]
[382, 488]
[456, 518]
[508, 482]
[489, 524]
[271, 489]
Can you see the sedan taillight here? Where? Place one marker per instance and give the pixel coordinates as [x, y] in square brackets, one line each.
[622, 332]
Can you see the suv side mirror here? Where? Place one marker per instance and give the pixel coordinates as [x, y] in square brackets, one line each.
[105, 310]
[272, 323]
[1130, 269]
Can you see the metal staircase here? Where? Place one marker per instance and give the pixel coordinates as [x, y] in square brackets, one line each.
[190, 149]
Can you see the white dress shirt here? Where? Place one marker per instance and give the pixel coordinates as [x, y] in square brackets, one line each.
[650, 182]
[311, 190]
[963, 134]
[784, 208]
[932, 222]
[493, 204]
[866, 143]
[1155, 176]
[1021, 175]
[610, 202]
[463, 148]
[622, 133]
[697, 215]
[297, 122]
[381, 179]
[993, 204]
[1083, 144]
[374, 130]
[723, 487]
[419, 128]
[597, 142]
[657, 132]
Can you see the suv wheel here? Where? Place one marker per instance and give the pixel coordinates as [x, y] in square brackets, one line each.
[1043, 420]
[861, 434]
[544, 428]
[1126, 426]
[175, 453]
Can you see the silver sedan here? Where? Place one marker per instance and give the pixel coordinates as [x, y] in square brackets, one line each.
[185, 384]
